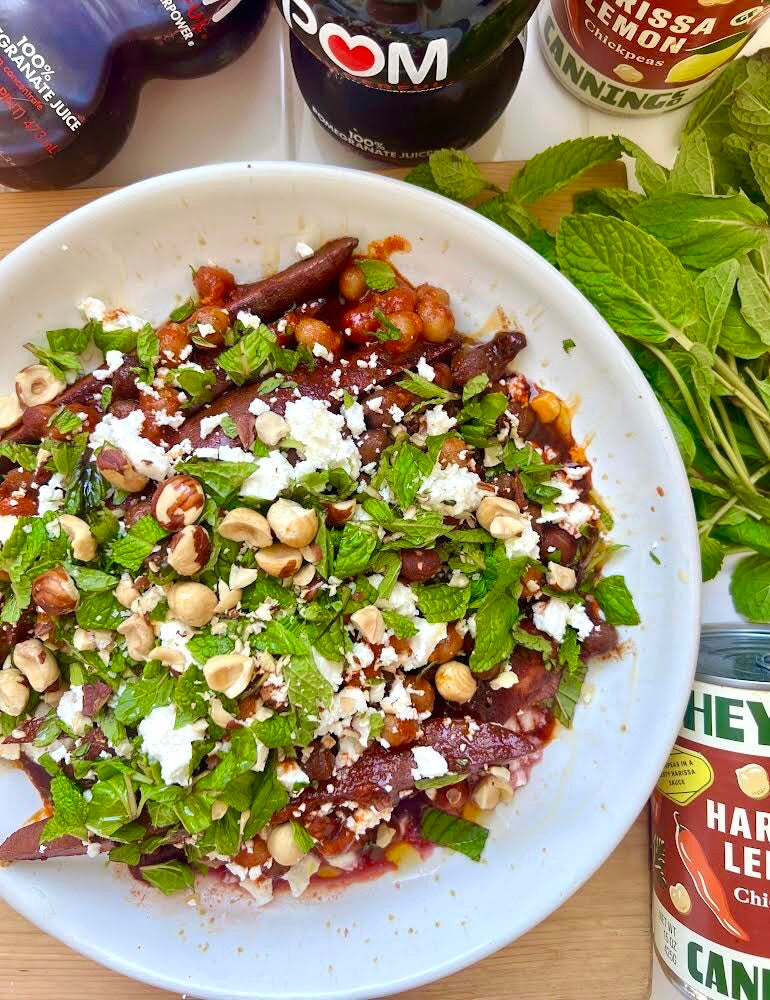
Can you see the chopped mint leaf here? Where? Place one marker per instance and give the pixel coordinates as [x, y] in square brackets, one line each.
[59, 363]
[386, 330]
[131, 550]
[220, 479]
[438, 602]
[474, 386]
[566, 698]
[401, 626]
[169, 877]
[378, 274]
[182, 312]
[91, 579]
[100, 610]
[425, 389]
[23, 455]
[357, 545]
[72, 339]
[138, 698]
[454, 832]
[204, 645]
[269, 797]
[442, 782]
[197, 385]
[616, 602]
[246, 357]
[70, 811]
[302, 838]
[148, 350]
[568, 344]
[456, 175]
[655, 558]
[114, 340]
[229, 427]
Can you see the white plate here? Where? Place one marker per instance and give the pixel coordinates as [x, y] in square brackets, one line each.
[134, 249]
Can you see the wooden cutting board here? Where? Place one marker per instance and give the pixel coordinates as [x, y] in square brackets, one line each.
[596, 946]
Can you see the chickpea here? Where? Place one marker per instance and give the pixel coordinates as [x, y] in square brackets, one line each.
[409, 325]
[310, 332]
[17, 481]
[399, 299]
[421, 694]
[438, 320]
[396, 732]
[208, 316]
[454, 451]
[173, 338]
[448, 648]
[166, 401]
[361, 323]
[213, 284]
[257, 854]
[425, 292]
[352, 283]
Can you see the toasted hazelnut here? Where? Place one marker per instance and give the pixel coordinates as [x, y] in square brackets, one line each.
[229, 673]
[81, 536]
[14, 693]
[87, 640]
[283, 846]
[385, 835]
[172, 658]
[369, 623]
[192, 603]
[178, 502]
[491, 791]
[189, 550]
[455, 682]
[37, 663]
[140, 638]
[218, 809]
[10, 412]
[292, 524]
[492, 507]
[270, 428]
[125, 592]
[36, 384]
[242, 576]
[219, 715]
[229, 597]
[246, 525]
[55, 592]
[118, 471]
[279, 560]
[340, 511]
[312, 553]
[560, 576]
[305, 576]
[507, 528]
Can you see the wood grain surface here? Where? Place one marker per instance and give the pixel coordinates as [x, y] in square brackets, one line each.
[596, 947]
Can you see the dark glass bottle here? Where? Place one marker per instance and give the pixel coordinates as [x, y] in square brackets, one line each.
[71, 73]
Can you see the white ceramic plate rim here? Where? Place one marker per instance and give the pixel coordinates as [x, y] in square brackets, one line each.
[619, 820]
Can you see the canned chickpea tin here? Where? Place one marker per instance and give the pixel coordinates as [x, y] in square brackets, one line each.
[711, 826]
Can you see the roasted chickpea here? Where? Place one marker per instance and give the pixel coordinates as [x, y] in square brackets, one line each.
[257, 854]
[400, 299]
[454, 451]
[213, 284]
[358, 323]
[89, 416]
[396, 732]
[409, 325]
[438, 320]
[166, 403]
[174, 339]
[205, 317]
[352, 283]
[310, 332]
[448, 648]
[421, 694]
[433, 292]
[16, 496]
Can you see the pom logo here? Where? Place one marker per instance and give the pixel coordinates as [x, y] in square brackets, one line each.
[364, 57]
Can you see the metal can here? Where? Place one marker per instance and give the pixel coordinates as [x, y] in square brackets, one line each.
[637, 57]
[711, 826]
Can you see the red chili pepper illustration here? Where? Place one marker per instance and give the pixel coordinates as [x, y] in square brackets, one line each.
[705, 878]
[573, 20]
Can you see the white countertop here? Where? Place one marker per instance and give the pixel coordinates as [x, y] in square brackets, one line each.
[253, 111]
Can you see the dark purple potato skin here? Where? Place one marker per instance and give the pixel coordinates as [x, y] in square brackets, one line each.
[489, 359]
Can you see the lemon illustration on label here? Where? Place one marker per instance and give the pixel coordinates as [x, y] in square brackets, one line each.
[686, 775]
[703, 62]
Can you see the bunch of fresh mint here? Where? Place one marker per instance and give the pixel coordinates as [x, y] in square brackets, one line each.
[682, 273]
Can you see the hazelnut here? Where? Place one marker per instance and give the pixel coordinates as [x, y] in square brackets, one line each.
[369, 623]
[455, 682]
[192, 603]
[283, 846]
[340, 511]
[562, 577]
[118, 471]
[229, 673]
[242, 576]
[229, 597]
[14, 693]
[491, 791]
[172, 658]
[189, 550]
[80, 535]
[305, 576]
[312, 553]
[10, 412]
[37, 663]
[279, 560]
[87, 640]
[270, 428]
[125, 592]
[218, 809]
[246, 525]
[292, 524]
[493, 507]
[140, 637]
[219, 714]
[55, 592]
[178, 502]
[36, 384]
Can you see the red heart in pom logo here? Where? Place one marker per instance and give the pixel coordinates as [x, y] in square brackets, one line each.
[356, 54]
[356, 58]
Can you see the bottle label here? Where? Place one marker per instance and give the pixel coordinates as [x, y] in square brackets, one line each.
[711, 845]
[635, 56]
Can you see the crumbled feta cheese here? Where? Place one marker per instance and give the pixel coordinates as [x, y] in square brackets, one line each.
[209, 424]
[113, 360]
[319, 351]
[330, 669]
[375, 405]
[526, 543]
[119, 319]
[124, 433]
[397, 701]
[164, 419]
[170, 747]
[504, 680]
[402, 598]
[303, 250]
[428, 763]
[425, 370]
[7, 524]
[318, 433]
[299, 875]
[560, 576]
[567, 494]
[93, 850]
[438, 421]
[554, 615]
[397, 413]
[575, 472]
[291, 775]
[570, 518]
[354, 418]
[422, 645]
[249, 320]
[452, 490]
[270, 478]
[93, 309]
[225, 453]
[50, 496]
[205, 330]
[258, 406]
[70, 710]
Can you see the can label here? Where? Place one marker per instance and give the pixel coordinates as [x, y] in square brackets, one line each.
[711, 846]
[634, 56]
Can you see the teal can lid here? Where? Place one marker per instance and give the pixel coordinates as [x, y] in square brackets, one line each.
[735, 654]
